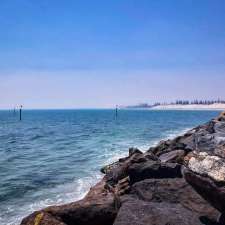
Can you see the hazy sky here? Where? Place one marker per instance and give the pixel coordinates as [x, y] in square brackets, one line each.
[85, 54]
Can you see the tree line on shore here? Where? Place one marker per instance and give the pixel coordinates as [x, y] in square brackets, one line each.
[179, 102]
[194, 102]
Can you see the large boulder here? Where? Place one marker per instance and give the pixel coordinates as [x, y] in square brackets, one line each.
[211, 166]
[133, 151]
[151, 213]
[207, 188]
[42, 218]
[153, 169]
[119, 170]
[221, 117]
[174, 191]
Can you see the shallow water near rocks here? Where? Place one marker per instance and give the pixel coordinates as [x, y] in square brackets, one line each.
[54, 156]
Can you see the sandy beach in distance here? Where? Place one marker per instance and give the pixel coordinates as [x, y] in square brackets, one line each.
[215, 106]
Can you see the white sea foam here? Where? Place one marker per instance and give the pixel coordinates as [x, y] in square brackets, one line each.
[115, 157]
[59, 195]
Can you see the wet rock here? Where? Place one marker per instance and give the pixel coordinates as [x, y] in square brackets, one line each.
[134, 154]
[150, 213]
[108, 168]
[116, 174]
[134, 151]
[161, 147]
[41, 218]
[86, 214]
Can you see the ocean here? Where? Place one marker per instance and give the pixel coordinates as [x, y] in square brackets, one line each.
[54, 156]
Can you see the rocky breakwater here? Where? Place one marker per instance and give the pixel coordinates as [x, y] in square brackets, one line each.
[178, 182]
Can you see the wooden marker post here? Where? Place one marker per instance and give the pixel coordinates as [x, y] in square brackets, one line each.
[116, 111]
[21, 112]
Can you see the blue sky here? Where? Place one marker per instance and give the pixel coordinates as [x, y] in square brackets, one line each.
[77, 54]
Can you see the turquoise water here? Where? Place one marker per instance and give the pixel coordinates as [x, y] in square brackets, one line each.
[54, 156]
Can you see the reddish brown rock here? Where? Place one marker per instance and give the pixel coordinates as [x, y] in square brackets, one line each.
[174, 191]
[98, 207]
[151, 213]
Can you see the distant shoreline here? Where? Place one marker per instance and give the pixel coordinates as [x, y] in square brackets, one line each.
[215, 106]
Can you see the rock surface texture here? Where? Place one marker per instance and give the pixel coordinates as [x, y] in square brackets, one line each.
[178, 182]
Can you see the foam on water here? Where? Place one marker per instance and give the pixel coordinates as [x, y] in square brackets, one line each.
[61, 194]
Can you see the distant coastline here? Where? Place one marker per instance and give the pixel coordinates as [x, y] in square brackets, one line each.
[182, 105]
[215, 106]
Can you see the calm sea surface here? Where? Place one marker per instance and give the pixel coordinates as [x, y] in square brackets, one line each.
[54, 156]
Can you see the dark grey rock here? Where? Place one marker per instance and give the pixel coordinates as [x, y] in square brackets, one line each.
[173, 156]
[208, 189]
[134, 151]
[175, 191]
[153, 169]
